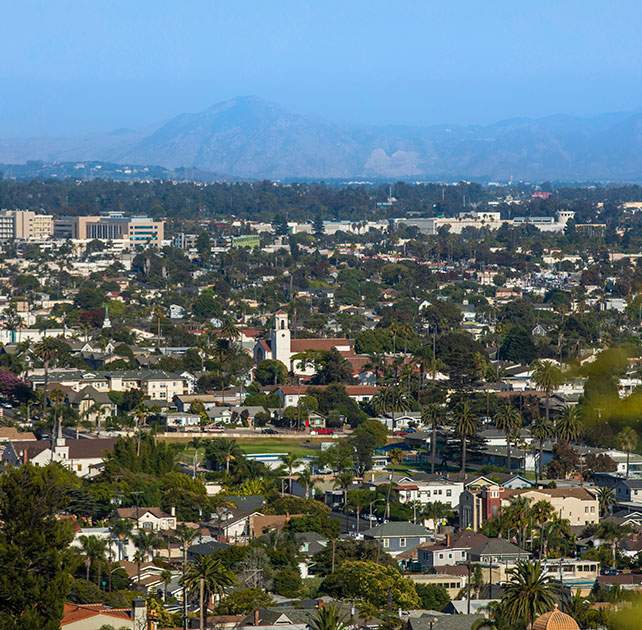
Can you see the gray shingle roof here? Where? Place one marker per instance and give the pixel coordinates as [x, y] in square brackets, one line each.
[397, 528]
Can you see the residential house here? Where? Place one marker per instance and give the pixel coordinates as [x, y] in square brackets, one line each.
[96, 616]
[441, 490]
[398, 536]
[83, 456]
[148, 518]
[181, 421]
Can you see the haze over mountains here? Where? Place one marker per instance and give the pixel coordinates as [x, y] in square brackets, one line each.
[248, 137]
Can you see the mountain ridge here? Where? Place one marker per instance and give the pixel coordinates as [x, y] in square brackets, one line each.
[248, 137]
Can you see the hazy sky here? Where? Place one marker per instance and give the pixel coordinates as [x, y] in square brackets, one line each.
[76, 66]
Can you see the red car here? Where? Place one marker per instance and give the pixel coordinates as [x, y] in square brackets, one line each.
[324, 431]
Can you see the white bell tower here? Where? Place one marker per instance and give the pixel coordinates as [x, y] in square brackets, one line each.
[280, 339]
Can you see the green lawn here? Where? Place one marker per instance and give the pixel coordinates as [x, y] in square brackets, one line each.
[278, 446]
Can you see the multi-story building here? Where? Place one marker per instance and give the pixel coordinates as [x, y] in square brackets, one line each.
[431, 491]
[25, 225]
[7, 225]
[112, 227]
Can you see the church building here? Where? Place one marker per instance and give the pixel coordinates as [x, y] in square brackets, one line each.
[281, 347]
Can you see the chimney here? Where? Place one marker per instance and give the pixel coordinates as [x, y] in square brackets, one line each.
[139, 614]
[448, 540]
[172, 511]
[257, 617]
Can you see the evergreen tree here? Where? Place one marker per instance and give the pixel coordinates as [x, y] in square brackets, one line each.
[35, 578]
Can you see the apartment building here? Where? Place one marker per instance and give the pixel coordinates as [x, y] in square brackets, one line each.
[579, 506]
[430, 491]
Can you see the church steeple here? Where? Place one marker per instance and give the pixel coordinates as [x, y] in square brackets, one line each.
[106, 321]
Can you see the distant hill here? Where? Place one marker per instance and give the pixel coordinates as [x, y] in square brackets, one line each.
[248, 137]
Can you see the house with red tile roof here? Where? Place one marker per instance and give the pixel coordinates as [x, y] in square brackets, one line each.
[96, 616]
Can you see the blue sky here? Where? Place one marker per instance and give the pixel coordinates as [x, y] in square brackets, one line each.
[77, 66]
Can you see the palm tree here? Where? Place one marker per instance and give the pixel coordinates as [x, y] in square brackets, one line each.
[393, 399]
[166, 576]
[328, 618]
[541, 513]
[528, 594]
[612, 534]
[606, 499]
[517, 516]
[46, 350]
[226, 450]
[509, 420]
[430, 414]
[122, 531]
[94, 549]
[465, 426]
[140, 417]
[542, 430]
[305, 478]
[209, 576]
[358, 499]
[229, 331]
[436, 511]
[145, 543]
[568, 426]
[185, 535]
[627, 440]
[547, 377]
[344, 480]
[290, 461]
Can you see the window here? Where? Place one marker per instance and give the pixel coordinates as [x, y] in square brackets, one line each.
[441, 556]
[386, 543]
[402, 542]
[449, 493]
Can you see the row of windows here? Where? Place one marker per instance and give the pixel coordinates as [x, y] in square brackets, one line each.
[386, 542]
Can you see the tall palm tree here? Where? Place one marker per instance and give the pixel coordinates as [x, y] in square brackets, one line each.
[359, 499]
[229, 331]
[227, 451]
[328, 618]
[465, 426]
[612, 534]
[430, 414]
[547, 377]
[542, 430]
[541, 513]
[290, 462]
[606, 499]
[528, 593]
[306, 480]
[122, 531]
[393, 399]
[140, 414]
[145, 543]
[509, 420]
[46, 350]
[344, 480]
[568, 426]
[94, 549]
[627, 440]
[185, 535]
[209, 576]
[166, 576]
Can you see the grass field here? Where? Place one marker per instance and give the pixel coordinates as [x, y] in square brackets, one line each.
[267, 445]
